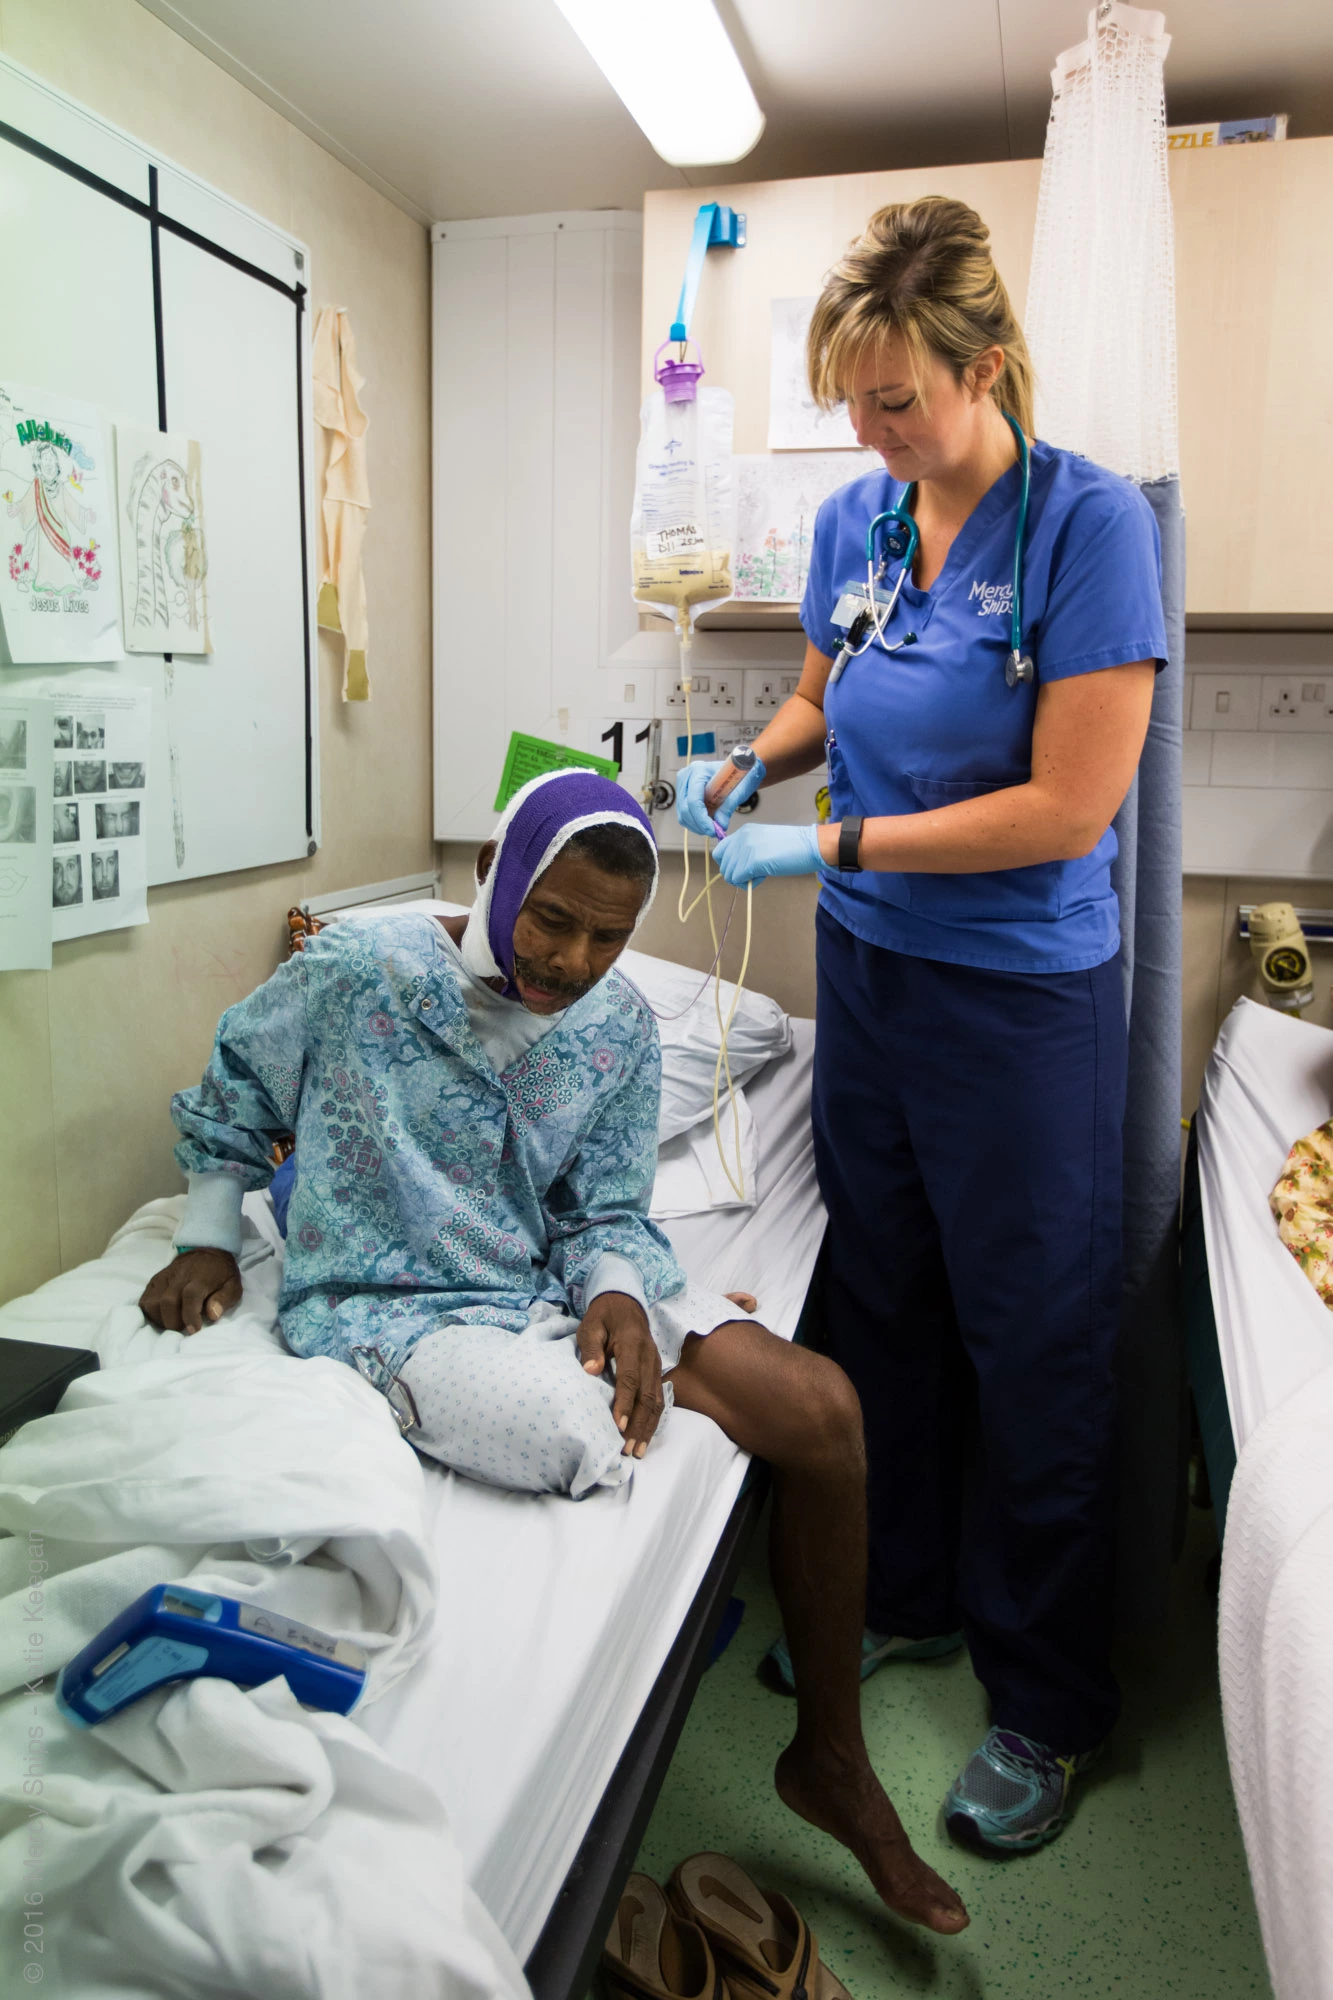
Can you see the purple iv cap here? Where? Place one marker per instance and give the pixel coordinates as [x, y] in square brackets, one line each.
[679, 380]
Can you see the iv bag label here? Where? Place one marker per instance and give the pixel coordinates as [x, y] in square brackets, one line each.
[682, 539]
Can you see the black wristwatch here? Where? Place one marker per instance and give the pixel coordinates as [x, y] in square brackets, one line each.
[849, 846]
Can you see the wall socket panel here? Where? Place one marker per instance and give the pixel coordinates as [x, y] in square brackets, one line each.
[1296, 703]
[1226, 701]
[730, 693]
[765, 692]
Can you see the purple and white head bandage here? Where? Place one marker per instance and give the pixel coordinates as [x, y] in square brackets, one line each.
[533, 828]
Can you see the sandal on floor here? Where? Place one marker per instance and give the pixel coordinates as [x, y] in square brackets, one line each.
[652, 1953]
[762, 1943]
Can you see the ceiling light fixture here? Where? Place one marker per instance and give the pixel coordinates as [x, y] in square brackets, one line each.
[676, 73]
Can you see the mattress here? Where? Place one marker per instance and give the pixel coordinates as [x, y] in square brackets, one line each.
[555, 1619]
[1269, 1081]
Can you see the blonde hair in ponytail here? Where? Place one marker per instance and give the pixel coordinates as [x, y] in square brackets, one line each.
[924, 270]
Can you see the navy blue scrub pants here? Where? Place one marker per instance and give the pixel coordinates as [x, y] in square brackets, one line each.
[968, 1139]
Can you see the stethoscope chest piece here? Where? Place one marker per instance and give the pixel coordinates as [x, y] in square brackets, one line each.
[1018, 669]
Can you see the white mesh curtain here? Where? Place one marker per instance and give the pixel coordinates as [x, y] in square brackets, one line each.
[1101, 326]
[1101, 312]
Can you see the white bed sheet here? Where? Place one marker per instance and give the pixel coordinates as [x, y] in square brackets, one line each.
[1269, 1081]
[554, 1618]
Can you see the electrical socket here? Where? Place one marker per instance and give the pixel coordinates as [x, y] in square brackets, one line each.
[727, 694]
[1296, 703]
[766, 690]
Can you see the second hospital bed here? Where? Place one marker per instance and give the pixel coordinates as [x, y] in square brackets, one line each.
[1261, 1359]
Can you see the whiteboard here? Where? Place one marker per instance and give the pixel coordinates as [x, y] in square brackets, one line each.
[134, 286]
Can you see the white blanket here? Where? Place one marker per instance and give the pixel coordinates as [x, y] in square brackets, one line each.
[1276, 1660]
[209, 1841]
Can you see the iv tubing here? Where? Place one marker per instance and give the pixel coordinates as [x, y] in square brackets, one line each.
[735, 1181]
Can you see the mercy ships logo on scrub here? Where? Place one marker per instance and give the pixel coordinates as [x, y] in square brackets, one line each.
[993, 600]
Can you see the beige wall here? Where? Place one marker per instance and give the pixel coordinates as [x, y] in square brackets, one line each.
[90, 1052]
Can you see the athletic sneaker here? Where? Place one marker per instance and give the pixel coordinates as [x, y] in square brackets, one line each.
[1012, 1795]
[876, 1650]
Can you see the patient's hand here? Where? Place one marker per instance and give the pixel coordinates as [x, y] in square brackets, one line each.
[198, 1285]
[615, 1328]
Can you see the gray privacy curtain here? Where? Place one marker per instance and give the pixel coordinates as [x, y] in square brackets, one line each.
[1147, 878]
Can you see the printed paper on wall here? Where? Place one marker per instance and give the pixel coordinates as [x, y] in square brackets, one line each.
[163, 553]
[99, 805]
[776, 503]
[25, 834]
[795, 421]
[59, 595]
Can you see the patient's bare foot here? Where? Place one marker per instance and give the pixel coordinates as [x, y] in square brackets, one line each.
[745, 1300]
[853, 1806]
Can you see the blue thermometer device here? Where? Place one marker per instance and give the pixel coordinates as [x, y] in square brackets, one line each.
[173, 1633]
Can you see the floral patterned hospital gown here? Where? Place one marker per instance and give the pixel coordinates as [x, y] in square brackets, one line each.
[430, 1190]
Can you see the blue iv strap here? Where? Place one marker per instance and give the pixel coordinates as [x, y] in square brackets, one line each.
[694, 270]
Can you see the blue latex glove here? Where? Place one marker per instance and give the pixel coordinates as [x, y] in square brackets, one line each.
[753, 852]
[693, 782]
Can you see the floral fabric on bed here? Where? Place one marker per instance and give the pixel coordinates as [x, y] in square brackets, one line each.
[1302, 1201]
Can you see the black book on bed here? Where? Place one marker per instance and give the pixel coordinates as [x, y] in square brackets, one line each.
[33, 1378]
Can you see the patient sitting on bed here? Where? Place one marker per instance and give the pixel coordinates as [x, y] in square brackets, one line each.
[475, 1103]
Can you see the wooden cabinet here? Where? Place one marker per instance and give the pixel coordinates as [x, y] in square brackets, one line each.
[1254, 313]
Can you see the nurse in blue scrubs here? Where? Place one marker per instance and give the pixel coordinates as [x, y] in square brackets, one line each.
[971, 1047]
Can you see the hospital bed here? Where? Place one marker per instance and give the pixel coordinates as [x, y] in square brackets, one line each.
[1256, 1327]
[572, 1637]
[569, 1638]
[1261, 1363]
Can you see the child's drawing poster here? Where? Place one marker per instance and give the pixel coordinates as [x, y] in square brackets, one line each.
[58, 583]
[163, 554]
[776, 503]
[795, 420]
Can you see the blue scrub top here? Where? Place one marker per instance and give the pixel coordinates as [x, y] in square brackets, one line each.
[937, 722]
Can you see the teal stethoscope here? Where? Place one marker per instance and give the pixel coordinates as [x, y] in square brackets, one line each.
[900, 541]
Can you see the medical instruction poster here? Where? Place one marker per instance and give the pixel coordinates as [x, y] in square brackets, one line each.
[25, 834]
[795, 420]
[99, 798]
[776, 503]
[163, 554]
[59, 584]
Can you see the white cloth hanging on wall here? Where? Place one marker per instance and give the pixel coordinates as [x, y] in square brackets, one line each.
[1101, 308]
[345, 496]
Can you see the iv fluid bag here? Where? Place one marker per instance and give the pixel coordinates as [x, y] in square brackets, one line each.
[683, 528]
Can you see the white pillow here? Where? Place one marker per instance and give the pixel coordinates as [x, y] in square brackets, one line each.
[691, 1179]
[686, 1013]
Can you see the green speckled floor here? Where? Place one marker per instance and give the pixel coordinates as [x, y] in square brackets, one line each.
[1144, 1895]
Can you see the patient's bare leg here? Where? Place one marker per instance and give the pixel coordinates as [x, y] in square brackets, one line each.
[799, 1411]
